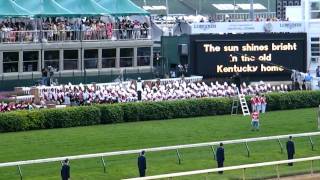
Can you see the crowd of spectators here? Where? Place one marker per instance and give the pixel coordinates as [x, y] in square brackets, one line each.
[75, 29]
[12, 106]
[227, 19]
[70, 95]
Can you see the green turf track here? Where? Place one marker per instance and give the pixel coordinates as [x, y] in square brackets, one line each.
[105, 138]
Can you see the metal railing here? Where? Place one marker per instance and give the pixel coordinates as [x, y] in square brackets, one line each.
[158, 149]
[45, 36]
[243, 167]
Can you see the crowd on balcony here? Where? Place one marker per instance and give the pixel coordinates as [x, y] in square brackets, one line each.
[72, 30]
[70, 95]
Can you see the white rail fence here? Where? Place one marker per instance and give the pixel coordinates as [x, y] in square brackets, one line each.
[243, 167]
[167, 148]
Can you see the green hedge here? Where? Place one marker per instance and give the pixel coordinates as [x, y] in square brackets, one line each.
[143, 111]
[49, 118]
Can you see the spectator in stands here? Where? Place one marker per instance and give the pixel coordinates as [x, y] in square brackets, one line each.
[142, 164]
[220, 157]
[255, 120]
[44, 77]
[65, 170]
[308, 79]
[290, 150]
[294, 78]
[318, 71]
[300, 80]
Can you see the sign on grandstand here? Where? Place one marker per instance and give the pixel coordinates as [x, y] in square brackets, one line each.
[267, 56]
[247, 27]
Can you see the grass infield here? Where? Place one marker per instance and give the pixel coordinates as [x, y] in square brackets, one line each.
[128, 136]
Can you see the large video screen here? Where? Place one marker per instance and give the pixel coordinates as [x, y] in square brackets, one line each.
[265, 58]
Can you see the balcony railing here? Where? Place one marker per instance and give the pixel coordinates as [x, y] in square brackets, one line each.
[45, 36]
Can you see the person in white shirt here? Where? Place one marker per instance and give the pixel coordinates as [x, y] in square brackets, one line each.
[139, 89]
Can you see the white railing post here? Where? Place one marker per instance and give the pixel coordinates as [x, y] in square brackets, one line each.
[214, 152]
[179, 156]
[281, 147]
[311, 143]
[244, 173]
[103, 164]
[247, 148]
[20, 172]
[277, 169]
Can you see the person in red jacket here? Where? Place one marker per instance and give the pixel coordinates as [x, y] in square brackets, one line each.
[252, 102]
[255, 120]
[258, 103]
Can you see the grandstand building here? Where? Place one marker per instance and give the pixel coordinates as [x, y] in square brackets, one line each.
[79, 54]
[78, 41]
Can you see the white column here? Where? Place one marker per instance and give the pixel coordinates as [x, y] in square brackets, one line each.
[305, 4]
[79, 59]
[39, 60]
[61, 59]
[42, 59]
[151, 57]
[20, 63]
[100, 58]
[135, 59]
[117, 57]
[82, 58]
[1, 62]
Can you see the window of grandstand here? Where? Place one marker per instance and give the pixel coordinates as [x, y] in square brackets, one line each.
[315, 10]
[109, 58]
[30, 61]
[255, 6]
[315, 47]
[70, 59]
[126, 57]
[51, 58]
[91, 58]
[143, 56]
[10, 62]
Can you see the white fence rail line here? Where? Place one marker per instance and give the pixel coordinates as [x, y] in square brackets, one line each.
[247, 166]
[208, 144]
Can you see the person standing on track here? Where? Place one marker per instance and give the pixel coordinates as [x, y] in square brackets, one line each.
[65, 170]
[290, 150]
[142, 164]
[220, 157]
